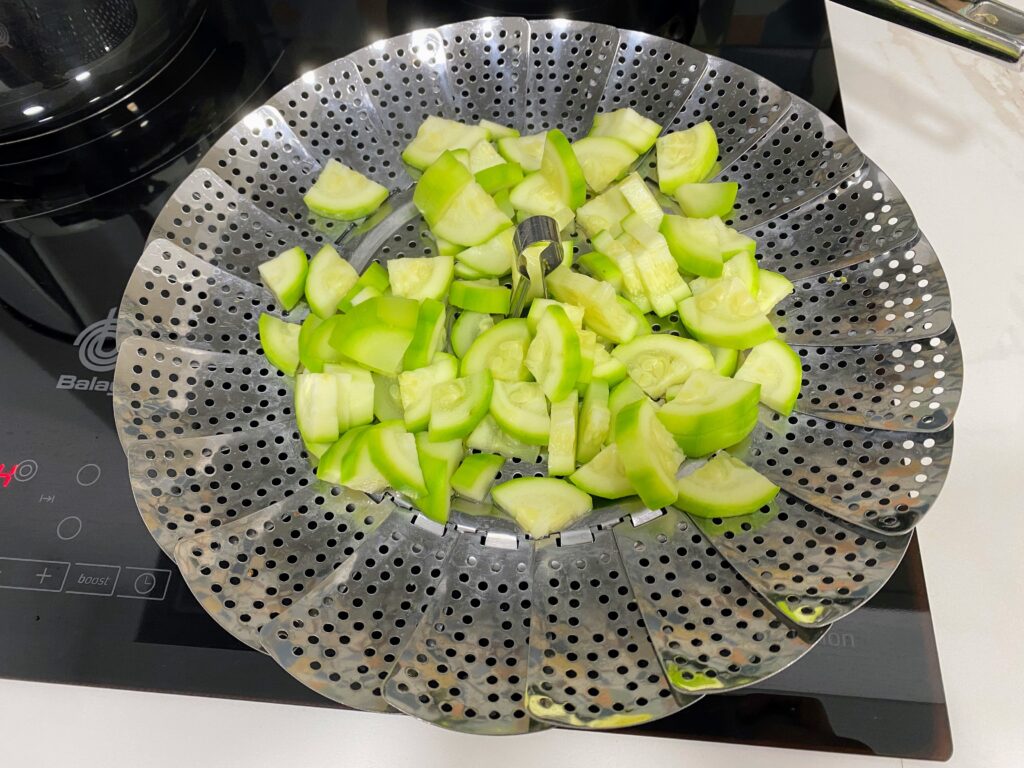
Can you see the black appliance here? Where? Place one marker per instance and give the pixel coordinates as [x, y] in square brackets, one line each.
[86, 164]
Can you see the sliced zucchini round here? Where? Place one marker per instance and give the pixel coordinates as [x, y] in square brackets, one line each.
[285, 276]
[724, 487]
[554, 354]
[466, 328]
[457, 406]
[357, 468]
[641, 199]
[415, 388]
[604, 213]
[427, 336]
[707, 401]
[440, 186]
[436, 135]
[685, 157]
[649, 455]
[695, 444]
[659, 361]
[604, 475]
[438, 461]
[280, 342]
[703, 200]
[497, 130]
[328, 279]
[694, 245]
[498, 177]
[488, 436]
[726, 360]
[562, 170]
[772, 289]
[472, 219]
[777, 368]
[376, 333]
[476, 474]
[527, 151]
[743, 266]
[607, 369]
[521, 411]
[316, 407]
[426, 277]
[534, 196]
[493, 258]
[539, 306]
[485, 296]
[594, 422]
[603, 160]
[356, 392]
[393, 452]
[500, 350]
[343, 193]
[726, 315]
[629, 126]
[602, 313]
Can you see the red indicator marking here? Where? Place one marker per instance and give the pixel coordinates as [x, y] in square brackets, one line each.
[6, 475]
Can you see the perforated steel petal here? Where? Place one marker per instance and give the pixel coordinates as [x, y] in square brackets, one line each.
[592, 664]
[913, 386]
[163, 391]
[569, 66]
[406, 79]
[652, 76]
[862, 217]
[263, 159]
[895, 296]
[246, 572]
[814, 568]
[741, 105]
[331, 114]
[877, 479]
[711, 630]
[175, 297]
[803, 155]
[465, 667]
[487, 68]
[186, 486]
[343, 638]
[374, 607]
[209, 219]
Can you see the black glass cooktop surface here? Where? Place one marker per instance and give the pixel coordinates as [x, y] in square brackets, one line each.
[86, 596]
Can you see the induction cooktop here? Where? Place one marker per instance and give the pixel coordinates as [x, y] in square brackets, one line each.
[85, 595]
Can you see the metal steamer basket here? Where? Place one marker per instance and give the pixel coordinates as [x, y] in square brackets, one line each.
[632, 614]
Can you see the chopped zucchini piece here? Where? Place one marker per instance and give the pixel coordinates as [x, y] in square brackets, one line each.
[562, 442]
[285, 276]
[777, 368]
[542, 505]
[280, 342]
[724, 487]
[685, 157]
[477, 473]
[436, 135]
[604, 475]
[343, 193]
[629, 126]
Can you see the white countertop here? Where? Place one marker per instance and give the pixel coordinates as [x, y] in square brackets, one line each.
[948, 128]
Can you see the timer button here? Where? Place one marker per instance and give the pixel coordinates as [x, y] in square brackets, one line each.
[143, 583]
